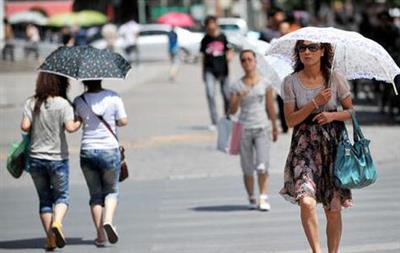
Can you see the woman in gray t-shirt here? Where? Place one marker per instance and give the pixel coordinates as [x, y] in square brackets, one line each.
[254, 96]
[46, 117]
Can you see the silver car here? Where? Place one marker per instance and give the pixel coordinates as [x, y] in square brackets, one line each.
[235, 30]
[152, 43]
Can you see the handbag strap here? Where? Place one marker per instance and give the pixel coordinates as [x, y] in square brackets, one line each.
[99, 117]
[357, 133]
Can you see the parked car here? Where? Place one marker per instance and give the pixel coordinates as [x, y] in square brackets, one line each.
[152, 43]
[235, 30]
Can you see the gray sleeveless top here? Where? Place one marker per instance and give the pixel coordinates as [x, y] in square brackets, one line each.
[294, 91]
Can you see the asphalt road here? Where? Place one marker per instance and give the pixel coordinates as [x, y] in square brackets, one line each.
[184, 196]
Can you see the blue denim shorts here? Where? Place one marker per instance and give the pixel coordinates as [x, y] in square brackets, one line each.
[51, 182]
[101, 168]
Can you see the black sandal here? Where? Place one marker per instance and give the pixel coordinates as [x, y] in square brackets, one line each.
[111, 233]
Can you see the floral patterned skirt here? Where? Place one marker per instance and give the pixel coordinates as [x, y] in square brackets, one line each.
[310, 163]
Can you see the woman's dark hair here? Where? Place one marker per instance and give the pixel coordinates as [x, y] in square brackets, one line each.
[246, 51]
[326, 60]
[209, 19]
[49, 85]
[92, 85]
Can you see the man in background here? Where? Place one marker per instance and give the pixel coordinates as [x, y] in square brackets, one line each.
[216, 55]
[173, 49]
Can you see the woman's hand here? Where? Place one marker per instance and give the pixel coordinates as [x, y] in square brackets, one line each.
[26, 124]
[274, 134]
[72, 125]
[242, 93]
[323, 96]
[324, 118]
[122, 122]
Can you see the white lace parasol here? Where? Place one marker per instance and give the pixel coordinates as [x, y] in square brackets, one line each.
[272, 68]
[355, 56]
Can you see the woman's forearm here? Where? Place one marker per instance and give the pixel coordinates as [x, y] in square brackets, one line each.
[122, 122]
[341, 116]
[296, 117]
[272, 116]
[234, 104]
[271, 108]
[72, 126]
[347, 105]
[25, 124]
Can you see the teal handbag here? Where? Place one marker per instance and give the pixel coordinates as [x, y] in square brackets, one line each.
[354, 168]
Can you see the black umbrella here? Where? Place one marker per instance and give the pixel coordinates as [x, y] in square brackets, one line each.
[86, 63]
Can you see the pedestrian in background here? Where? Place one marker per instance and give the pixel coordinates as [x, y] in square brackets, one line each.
[129, 31]
[173, 49]
[100, 155]
[66, 37]
[79, 35]
[46, 117]
[32, 43]
[311, 96]
[275, 17]
[255, 98]
[8, 49]
[216, 55]
[277, 27]
[110, 34]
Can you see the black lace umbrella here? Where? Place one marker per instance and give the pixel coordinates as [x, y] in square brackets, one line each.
[86, 63]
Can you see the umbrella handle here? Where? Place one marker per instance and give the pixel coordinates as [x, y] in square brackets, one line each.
[395, 89]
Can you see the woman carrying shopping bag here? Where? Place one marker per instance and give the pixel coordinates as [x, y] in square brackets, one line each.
[46, 116]
[255, 98]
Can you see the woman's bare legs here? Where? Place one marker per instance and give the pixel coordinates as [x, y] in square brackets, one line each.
[60, 210]
[97, 215]
[333, 230]
[47, 219]
[263, 183]
[110, 206]
[309, 220]
[249, 185]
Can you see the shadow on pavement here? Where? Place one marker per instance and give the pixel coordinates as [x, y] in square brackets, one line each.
[221, 208]
[38, 243]
[196, 128]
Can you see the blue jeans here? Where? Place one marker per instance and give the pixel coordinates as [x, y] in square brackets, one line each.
[101, 168]
[51, 182]
[210, 81]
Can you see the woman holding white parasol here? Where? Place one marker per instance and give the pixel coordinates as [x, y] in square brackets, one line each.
[323, 58]
[311, 97]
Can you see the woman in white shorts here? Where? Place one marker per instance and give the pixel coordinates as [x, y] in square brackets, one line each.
[255, 98]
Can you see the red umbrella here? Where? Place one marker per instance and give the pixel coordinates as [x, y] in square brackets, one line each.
[176, 19]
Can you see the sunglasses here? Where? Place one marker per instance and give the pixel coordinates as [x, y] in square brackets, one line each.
[246, 59]
[311, 47]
